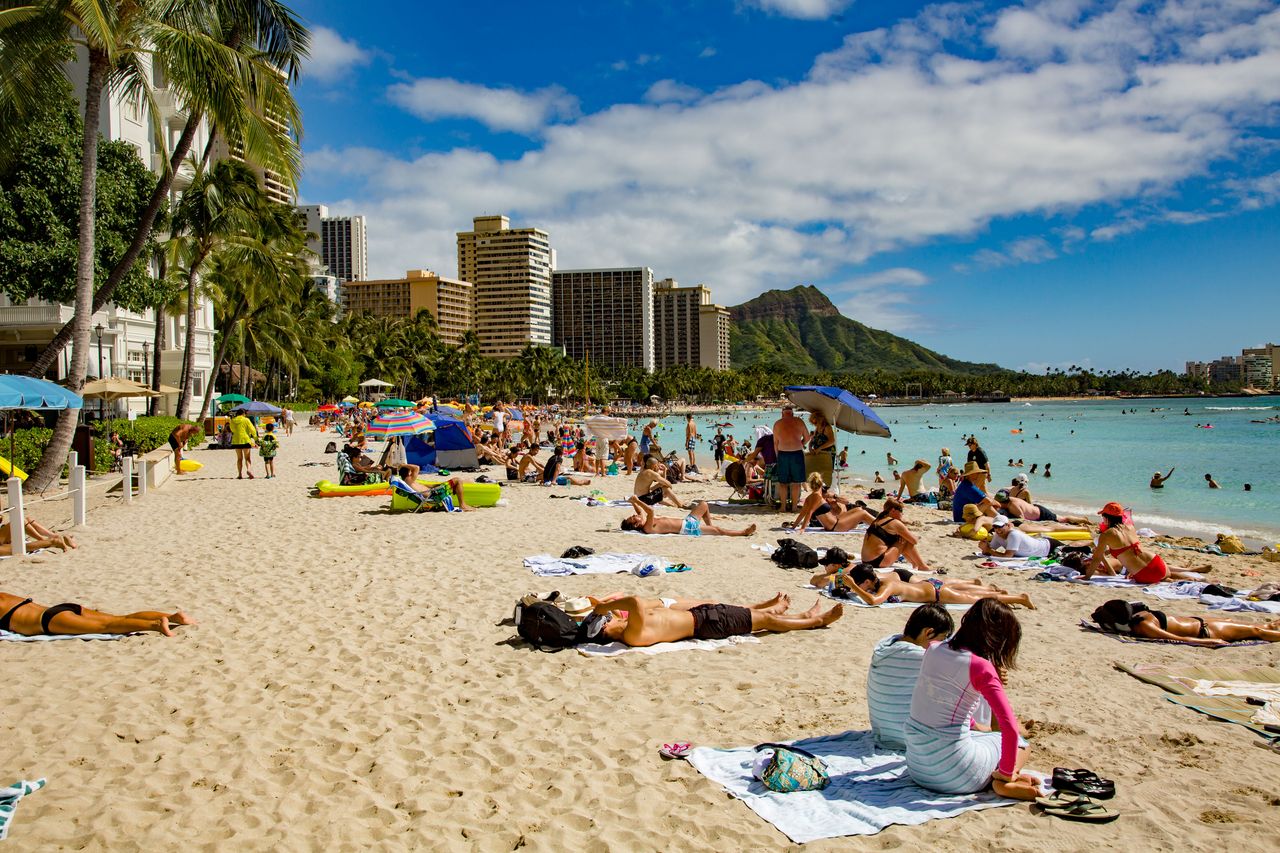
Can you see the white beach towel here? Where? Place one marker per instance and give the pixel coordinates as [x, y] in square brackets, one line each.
[11, 637]
[1175, 590]
[1240, 604]
[869, 790]
[546, 565]
[615, 649]
[9, 798]
[28, 554]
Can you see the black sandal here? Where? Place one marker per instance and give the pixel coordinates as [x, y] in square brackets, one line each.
[1082, 781]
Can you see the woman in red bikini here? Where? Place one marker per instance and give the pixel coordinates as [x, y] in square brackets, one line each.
[1120, 548]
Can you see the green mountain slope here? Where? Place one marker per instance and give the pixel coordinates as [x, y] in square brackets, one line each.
[799, 329]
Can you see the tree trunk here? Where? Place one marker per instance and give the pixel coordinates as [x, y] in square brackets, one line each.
[189, 355]
[55, 454]
[217, 365]
[153, 405]
[142, 233]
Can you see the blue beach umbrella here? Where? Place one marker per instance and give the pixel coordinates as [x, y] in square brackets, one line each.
[258, 408]
[26, 392]
[841, 409]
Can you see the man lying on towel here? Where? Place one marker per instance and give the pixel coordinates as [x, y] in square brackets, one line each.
[24, 616]
[697, 523]
[648, 621]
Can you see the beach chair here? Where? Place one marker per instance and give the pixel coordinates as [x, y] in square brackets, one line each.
[439, 496]
[349, 476]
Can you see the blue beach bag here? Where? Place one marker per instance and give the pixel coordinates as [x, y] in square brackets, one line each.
[792, 769]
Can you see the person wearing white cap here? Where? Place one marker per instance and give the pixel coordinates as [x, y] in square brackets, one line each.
[1008, 541]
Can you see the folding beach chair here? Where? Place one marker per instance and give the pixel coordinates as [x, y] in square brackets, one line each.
[438, 498]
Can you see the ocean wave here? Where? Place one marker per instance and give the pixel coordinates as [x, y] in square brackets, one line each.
[1240, 408]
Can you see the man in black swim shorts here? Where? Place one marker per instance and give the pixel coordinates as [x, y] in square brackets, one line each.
[649, 621]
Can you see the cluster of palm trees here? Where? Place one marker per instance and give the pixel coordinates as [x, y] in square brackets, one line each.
[228, 62]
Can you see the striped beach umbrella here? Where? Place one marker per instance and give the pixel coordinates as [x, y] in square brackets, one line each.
[399, 424]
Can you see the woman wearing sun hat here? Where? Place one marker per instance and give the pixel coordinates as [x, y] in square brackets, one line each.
[1119, 548]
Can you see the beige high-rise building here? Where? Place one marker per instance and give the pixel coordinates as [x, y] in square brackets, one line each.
[606, 314]
[450, 301]
[1261, 366]
[688, 328]
[511, 271]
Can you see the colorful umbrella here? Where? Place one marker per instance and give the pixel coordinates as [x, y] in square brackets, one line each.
[399, 424]
[259, 408]
[395, 403]
[328, 407]
[839, 407]
[232, 398]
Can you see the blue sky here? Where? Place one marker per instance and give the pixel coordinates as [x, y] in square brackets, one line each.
[1036, 184]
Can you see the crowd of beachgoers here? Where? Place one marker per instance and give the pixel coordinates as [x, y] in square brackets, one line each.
[943, 542]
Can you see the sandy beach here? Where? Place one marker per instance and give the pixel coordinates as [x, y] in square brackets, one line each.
[349, 687]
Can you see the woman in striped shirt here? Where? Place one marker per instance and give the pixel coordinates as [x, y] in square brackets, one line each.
[944, 752]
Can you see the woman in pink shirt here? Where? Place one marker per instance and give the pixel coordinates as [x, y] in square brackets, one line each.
[944, 752]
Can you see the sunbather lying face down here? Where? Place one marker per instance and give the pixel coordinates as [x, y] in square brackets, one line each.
[863, 582]
[697, 523]
[24, 616]
[1192, 630]
[649, 621]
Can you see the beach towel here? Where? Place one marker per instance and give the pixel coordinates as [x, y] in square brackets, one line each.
[545, 565]
[1129, 638]
[615, 649]
[28, 554]
[854, 601]
[869, 790]
[11, 637]
[1181, 680]
[1239, 603]
[9, 798]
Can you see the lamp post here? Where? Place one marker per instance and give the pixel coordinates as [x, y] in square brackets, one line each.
[102, 401]
[98, 329]
[146, 363]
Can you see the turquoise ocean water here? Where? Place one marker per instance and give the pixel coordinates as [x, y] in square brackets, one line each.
[1099, 451]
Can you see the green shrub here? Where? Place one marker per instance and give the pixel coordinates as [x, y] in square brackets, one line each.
[28, 447]
[148, 433]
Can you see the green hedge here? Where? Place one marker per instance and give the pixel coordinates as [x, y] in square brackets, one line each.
[149, 433]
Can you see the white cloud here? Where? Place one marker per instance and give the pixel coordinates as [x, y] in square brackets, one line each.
[1257, 193]
[707, 52]
[671, 91]
[811, 10]
[499, 109]
[332, 56]
[893, 140]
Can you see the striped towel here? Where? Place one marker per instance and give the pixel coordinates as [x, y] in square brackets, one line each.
[9, 798]
[11, 637]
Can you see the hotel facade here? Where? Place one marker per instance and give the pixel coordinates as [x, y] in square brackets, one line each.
[605, 315]
[450, 302]
[511, 271]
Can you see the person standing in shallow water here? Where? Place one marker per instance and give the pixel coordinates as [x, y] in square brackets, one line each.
[1213, 484]
[1157, 479]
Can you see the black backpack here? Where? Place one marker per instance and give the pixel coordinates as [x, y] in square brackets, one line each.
[546, 626]
[791, 554]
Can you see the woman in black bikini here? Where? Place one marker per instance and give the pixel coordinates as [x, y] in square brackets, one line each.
[888, 538]
[863, 582]
[1134, 618]
[24, 616]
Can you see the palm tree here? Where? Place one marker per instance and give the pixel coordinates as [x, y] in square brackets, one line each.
[217, 209]
[242, 88]
[230, 61]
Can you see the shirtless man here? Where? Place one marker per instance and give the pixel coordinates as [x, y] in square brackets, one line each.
[1157, 479]
[911, 479]
[1013, 507]
[24, 616]
[652, 488]
[789, 436]
[409, 474]
[648, 444]
[530, 469]
[697, 523]
[178, 440]
[650, 621]
[691, 439]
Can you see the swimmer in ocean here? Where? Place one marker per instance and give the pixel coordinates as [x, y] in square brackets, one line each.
[1213, 484]
[1157, 481]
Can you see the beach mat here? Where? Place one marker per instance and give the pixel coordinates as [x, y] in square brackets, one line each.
[609, 650]
[1230, 709]
[869, 790]
[545, 565]
[9, 798]
[1098, 629]
[11, 637]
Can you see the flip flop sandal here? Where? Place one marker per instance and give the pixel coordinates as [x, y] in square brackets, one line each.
[1059, 799]
[679, 749]
[1083, 809]
[679, 567]
[1082, 781]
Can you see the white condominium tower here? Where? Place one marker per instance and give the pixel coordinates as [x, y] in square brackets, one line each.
[339, 241]
[606, 314]
[511, 271]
